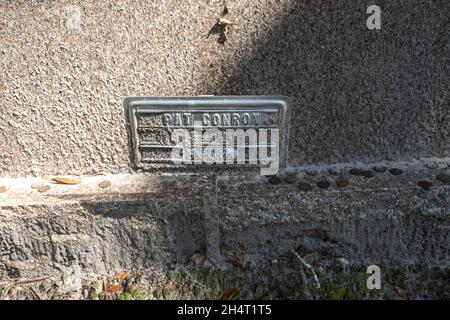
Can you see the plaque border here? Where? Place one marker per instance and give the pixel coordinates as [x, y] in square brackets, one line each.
[208, 103]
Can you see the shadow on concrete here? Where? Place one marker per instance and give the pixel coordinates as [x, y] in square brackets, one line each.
[358, 94]
[154, 231]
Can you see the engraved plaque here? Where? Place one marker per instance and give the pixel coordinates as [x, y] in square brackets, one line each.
[206, 132]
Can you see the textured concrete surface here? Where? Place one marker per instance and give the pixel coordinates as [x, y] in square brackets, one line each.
[358, 94]
[360, 97]
[137, 210]
[384, 217]
[153, 222]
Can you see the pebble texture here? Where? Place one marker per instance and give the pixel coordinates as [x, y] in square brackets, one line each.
[388, 219]
[357, 94]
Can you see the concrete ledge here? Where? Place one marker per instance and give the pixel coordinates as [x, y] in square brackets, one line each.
[144, 221]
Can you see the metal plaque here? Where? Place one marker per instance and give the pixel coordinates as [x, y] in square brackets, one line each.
[206, 131]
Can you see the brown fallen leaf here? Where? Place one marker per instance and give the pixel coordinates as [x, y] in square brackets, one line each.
[230, 294]
[225, 22]
[3, 189]
[170, 285]
[198, 258]
[222, 27]
[111, 287]
[122, 275]
[63, 180]
[401, 292]
[238, 259]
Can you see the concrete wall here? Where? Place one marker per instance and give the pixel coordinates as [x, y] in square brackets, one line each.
[160, 224]
[358, 94]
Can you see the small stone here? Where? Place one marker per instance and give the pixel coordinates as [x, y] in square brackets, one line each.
[396, 171]
[356, 172]
[379, 169]
[334, 171]
[311, 172]
[431, 165]
[291, 171]
[290, 179]
[342, 183]
[323, 184]
[197, 258]
[304, 186]
[443, 177]
[425, 184]
[43, 188]
[105, 184]
[368, 174]
[274, 180]
[3, 189]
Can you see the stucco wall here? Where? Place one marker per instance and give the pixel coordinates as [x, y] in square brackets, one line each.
[357, 94]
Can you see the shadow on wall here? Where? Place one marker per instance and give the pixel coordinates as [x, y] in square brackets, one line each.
[358, 94]
[151, 232]
[156, 223]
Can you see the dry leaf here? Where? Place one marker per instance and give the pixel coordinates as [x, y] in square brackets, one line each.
[170, 285]
[63, 180]
[400, 291]
[238, 259]
[197, 258]
[122, 275]
[230, 294]
[111, 287]
[225, 22]
[3, 189]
